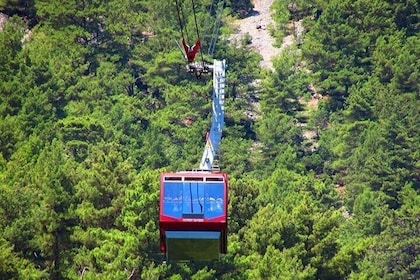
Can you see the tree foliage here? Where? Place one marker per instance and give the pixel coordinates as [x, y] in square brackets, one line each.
[95, 103]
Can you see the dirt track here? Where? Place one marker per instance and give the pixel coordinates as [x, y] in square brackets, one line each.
[262, 42]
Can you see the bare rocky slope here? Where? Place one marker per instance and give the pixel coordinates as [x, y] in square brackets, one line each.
[256, 25]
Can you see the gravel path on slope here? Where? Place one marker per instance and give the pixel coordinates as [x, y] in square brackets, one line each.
[262, 42]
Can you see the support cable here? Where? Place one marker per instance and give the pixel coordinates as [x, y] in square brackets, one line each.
[181, 18]
[196, 28]
[216, 27]
[207, 23]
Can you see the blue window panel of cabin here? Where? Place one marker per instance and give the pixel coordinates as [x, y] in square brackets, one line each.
[193, 199]
[172, 199]
[214, 199]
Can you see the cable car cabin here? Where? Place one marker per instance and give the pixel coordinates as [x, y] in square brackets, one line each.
[193, 215]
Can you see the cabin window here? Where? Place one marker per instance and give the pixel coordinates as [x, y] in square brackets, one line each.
[193, 199]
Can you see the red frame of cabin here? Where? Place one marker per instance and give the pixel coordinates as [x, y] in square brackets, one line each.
[213, 224]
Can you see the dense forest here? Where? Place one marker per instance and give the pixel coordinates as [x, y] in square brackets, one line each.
[95, 103]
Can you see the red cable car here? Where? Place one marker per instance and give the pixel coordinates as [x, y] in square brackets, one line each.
[193, 215]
